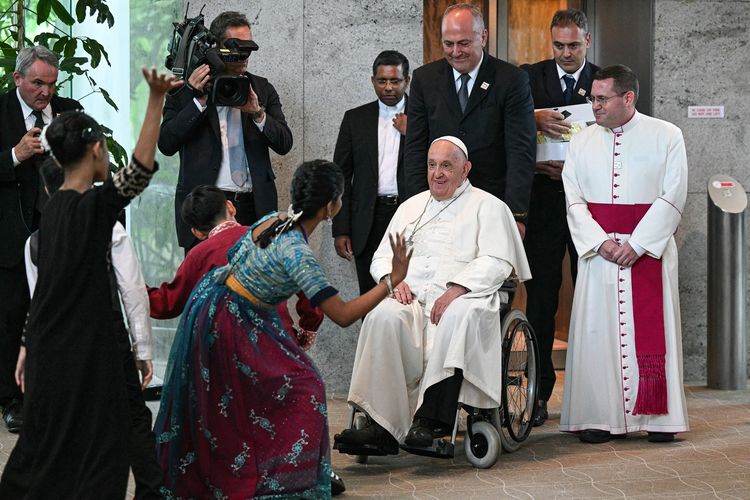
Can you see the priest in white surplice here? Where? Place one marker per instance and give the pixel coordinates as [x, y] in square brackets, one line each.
[437, 340]
[625, 180]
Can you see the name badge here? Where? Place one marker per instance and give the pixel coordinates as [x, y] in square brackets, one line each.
[485, 85]
[582, 92]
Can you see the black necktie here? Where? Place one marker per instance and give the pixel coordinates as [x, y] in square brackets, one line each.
[39, 122]
[463, 91]
[570, 84]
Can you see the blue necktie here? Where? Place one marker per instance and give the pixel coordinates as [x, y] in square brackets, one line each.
[238, 167]
[570, 84]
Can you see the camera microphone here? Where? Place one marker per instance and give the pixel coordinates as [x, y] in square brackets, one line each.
[215, 62]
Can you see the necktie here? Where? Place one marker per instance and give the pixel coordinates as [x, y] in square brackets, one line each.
[237, 158]
[39, 120]
[570, 84]
[463, 91]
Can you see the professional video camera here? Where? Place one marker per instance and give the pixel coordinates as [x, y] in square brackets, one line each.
[192, 45]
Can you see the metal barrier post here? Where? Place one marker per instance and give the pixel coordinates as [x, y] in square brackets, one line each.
[727, 284]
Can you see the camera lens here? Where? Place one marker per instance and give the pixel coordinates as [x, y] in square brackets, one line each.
[227, 89]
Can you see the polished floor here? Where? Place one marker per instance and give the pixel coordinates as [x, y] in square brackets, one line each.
[710, 461]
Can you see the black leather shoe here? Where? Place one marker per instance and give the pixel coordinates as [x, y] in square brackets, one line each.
[12, 416]
[423, 431]
[373, 435]
[594, 436]
[541, 414]
[337, 485]
[660, 437]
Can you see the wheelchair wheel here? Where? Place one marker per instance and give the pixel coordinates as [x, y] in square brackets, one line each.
[360, 422]
[482, 445]
[520, 376]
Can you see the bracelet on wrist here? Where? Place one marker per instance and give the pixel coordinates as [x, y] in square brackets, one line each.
[388, 284]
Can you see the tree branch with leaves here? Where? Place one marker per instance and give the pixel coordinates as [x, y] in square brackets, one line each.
[50, 14]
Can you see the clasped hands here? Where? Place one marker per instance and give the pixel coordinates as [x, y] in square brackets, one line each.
[622, 255]
[403, 294]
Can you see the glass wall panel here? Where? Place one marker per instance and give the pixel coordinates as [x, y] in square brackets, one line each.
[151, 216]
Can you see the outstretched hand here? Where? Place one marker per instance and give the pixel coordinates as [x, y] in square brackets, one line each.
[159, 83]
[401, 258]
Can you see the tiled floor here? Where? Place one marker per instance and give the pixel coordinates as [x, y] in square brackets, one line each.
[711, 461]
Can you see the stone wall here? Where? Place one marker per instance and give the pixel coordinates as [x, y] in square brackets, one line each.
[701, 58]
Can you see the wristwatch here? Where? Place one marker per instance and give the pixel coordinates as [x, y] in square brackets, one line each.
[259, 113]
[520, 216]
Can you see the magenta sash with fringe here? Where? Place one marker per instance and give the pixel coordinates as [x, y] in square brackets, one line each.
[648, 309]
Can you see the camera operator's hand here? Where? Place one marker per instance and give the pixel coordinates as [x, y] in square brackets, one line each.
[198, 80]
[253, 107]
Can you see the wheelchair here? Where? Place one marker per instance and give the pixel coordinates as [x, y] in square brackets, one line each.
[488, 431]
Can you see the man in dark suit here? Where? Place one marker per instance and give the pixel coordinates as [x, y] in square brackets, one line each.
[483, 101]
[25, 112]
[370, 150]
[225, 146]
[564, 80]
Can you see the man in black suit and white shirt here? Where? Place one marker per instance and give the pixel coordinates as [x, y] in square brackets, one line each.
[564, 80]
[24, 112]
[370, 150]
[225, 146]
[483, 101]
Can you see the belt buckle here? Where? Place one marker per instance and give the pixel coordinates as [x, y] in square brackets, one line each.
[389, 199]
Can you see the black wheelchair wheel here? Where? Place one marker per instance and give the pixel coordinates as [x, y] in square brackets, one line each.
[520, 378]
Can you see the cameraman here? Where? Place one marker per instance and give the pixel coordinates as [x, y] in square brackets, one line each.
[225, 146]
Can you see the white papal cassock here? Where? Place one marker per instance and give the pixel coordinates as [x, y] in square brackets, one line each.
[470, 240]
[642, 162]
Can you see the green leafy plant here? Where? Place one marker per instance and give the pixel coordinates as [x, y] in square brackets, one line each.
[51, 15]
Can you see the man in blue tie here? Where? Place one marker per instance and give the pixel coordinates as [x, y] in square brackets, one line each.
[564, 80]
[225, 146]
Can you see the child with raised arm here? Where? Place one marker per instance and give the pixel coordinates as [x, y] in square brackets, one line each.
[76, 423]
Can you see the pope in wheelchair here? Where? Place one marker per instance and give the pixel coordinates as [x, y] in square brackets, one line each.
[436, 341]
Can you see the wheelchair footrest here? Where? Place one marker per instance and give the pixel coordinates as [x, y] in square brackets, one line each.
[361, 449]
[441, 448]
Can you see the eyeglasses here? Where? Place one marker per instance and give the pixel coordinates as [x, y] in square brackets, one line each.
[603, 100]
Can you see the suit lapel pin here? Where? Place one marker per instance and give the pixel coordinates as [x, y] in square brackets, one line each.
[582, 92]
[485, 85]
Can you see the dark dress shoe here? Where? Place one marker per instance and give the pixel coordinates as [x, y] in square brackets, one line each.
[12, 416]
[660, 437]
[337, 485]
[373, 434]
[594, 436]
[541, 415]
[423, 432]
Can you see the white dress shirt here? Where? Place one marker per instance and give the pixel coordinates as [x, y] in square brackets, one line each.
[130, 284]
[224, 179]
[389, 140]
[472, 77]
[576, 75]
